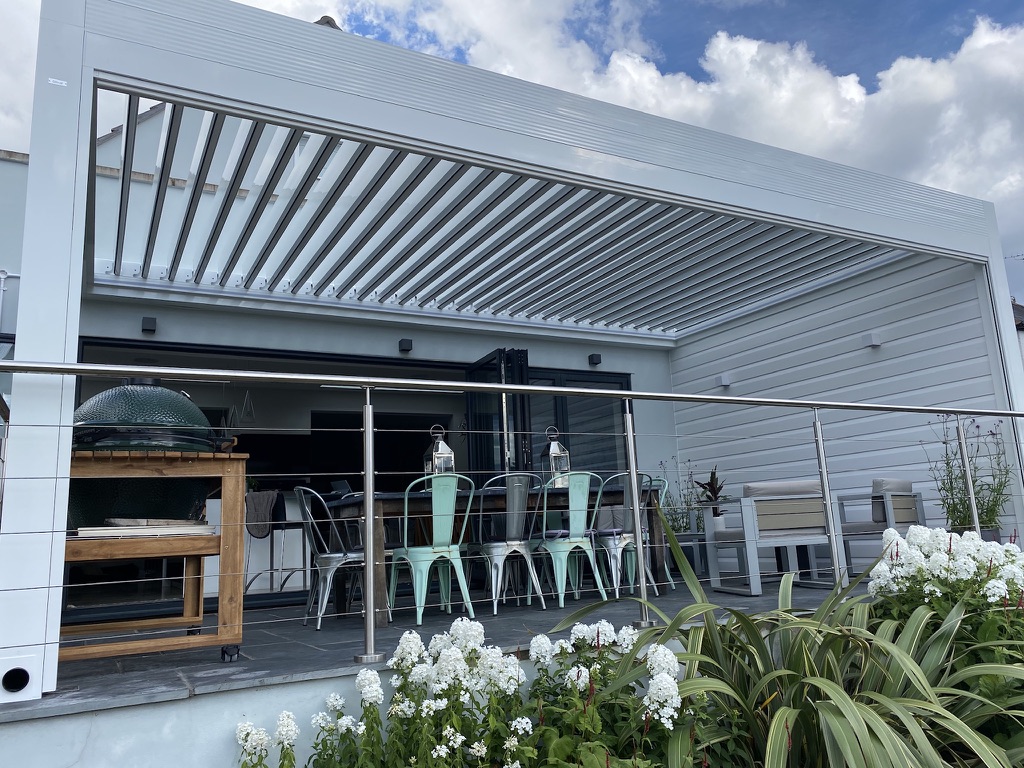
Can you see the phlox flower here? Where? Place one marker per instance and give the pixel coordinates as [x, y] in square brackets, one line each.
[522, 726]
[322, 721]
[626, 638]
[662, 660]
[578, 677]
[541, 650]
[662, 699]
[335, 703]
[369, 687]
[287, 730]
[253, 740]
[995, 591]
[410, 651]
[478, 750]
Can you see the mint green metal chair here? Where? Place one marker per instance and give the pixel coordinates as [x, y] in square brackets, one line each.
[444, 547]
[559, 541]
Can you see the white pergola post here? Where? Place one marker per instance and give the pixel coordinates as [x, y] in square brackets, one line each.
[34, 512]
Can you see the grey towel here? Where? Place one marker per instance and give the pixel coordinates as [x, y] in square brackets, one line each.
[259, 505]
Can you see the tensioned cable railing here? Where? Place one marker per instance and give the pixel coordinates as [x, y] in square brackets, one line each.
[373, 388]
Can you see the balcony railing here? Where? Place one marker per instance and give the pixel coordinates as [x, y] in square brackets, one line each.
[314, 430]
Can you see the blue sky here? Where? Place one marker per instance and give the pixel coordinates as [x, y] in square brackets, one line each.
[862, 37]
[931, 91]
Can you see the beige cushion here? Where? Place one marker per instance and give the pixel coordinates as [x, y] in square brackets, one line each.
[891, 485]
[783, 488]
[884, 485]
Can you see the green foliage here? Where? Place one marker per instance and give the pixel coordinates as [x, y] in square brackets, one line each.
[991, 474]
[842, 685]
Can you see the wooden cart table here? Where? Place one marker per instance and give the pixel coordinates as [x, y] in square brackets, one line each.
[228, 545]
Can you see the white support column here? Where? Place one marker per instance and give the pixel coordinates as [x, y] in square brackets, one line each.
[34, 511]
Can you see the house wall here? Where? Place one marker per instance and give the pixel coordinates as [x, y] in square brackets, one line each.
[936, 348]
[263, 331]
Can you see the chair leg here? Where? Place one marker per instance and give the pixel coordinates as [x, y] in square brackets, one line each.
[325, 593]
[560, 567]
[497, 568]
[534, 582]
[597, 576]
[314, 585]
[460, 575]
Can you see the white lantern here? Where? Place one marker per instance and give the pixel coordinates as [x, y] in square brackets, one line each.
[558, 459]
[439, 457]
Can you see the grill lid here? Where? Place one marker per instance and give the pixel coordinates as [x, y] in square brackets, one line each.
[143, 415]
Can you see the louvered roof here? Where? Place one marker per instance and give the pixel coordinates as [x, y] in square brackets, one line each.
[236, 208]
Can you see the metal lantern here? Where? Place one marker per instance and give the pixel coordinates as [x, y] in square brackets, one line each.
[439, 457]
[558, 459]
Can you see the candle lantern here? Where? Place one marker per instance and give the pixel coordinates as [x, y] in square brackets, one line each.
[439, 457]
[557, 459]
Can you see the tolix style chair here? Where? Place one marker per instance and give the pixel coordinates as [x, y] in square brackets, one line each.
[504, 533]
[443, 545]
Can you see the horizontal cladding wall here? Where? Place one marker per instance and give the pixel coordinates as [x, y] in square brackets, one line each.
[607, 140]
[934, 352]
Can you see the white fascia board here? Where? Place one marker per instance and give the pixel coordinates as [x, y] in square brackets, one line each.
[287, 303]
[248, 60]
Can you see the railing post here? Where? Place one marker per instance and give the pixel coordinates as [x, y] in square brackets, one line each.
[370, 549]
[961, 437]
[634, 495]
[841, 575]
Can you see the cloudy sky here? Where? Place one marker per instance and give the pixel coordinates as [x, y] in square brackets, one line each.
[926, 90]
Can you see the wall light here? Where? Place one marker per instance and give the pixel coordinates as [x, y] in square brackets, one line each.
[594, 359]
[723, 379]
[405, 345]
[149, 325]
[871, 339]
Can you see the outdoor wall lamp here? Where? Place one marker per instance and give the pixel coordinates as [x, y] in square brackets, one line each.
[594, 359]
[149, 325]
[405, 345]
[723, 379]
[872, 339]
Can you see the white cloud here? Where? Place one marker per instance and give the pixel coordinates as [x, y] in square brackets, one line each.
[955, 123]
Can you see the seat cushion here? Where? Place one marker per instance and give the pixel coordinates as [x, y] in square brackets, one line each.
[783, 488]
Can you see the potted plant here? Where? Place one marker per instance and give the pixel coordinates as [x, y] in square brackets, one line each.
[991, 475]
[710, 493]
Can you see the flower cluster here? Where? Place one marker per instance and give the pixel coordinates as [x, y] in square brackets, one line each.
[931, 563]
[455, 698]
[255, 744]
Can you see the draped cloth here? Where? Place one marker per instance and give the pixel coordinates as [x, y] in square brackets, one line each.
[259, 511]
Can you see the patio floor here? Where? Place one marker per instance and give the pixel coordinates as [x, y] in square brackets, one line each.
[278, 649]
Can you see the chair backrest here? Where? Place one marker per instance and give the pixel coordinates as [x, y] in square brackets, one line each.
[579, 486]
[907, 507]
[787, 506]
[620, 516]
[323, 533]
[444, 492]
[509, 525]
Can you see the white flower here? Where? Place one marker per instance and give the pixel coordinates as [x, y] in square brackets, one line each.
[478, 750]
[322, 721]
[563, 647]
[541, 650]
[627, 638]
[453, 737]
[369, 687]
[522, 726]
[287, 730]
[662, 699]
[335, 703]
[995, 591]
[401, 707]
[253, 740]
[441, 750]
[349, 724]
[467, 635]
[410, 651]
[511, 743]
[430, 706]
[578, 677]
[661, 660]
